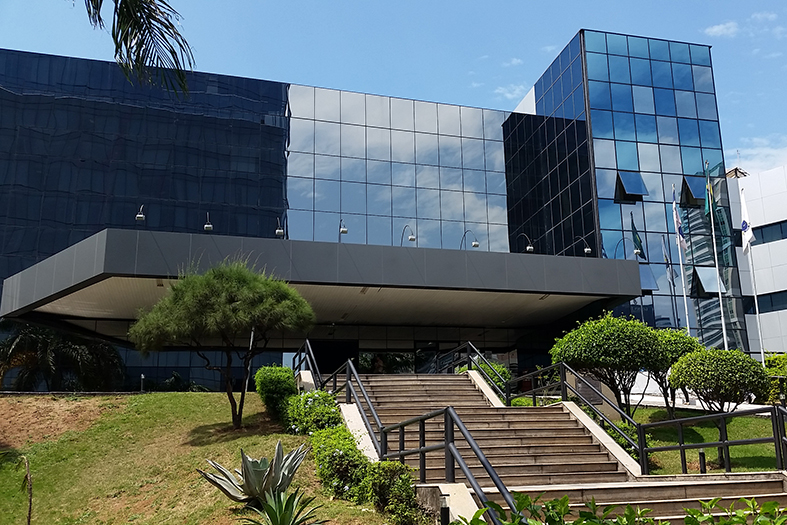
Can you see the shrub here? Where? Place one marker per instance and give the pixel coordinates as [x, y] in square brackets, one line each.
[775, 365]
[312, 411]
[274, 385]
[388, 486]
[500, 368]
[672, 344]
[341, 467]
[721, 379]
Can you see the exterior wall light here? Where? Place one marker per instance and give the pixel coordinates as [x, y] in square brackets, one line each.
[529, 248]
[410, 237]
[140, 214]
[474, 244]
[208, 227]
[279, 230]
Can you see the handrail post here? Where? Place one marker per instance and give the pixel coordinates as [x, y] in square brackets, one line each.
[450, 474]
[383, 444]
[421, 445]
[401, 444]
[683, 466]
[347, 386]
[563, 389]
[508, 394]
[725, 446]
[777, 438]
[643, 459]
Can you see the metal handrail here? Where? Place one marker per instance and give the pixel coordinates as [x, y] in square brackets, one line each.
[305, 356]
[473, 354]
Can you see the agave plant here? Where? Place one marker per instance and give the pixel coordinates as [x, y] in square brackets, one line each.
[280, 509]
[257, 478]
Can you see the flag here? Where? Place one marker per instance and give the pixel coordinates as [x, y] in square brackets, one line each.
[709, 191]
[671, 273]
[678, 224]
[747, 234]
[637, 239]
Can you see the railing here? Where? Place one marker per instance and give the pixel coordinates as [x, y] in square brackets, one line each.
[777, 414]
[304, 360]
[467, 354]
[448, 444]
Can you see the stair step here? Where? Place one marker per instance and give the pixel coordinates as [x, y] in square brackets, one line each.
[435, 459]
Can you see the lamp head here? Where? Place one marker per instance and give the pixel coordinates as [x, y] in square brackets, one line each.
[529, 248]
[587, 250]
[475, 244]
[637, 251]
[279, 231]
[208, 227]
[140, 214]
[411, 238]
[343, 230]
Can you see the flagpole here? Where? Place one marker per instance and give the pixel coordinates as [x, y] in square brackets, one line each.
[716, 256]
[675, 218]
[670, 280]
[747, 247]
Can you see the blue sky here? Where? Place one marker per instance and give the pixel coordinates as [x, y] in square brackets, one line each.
[480, 53]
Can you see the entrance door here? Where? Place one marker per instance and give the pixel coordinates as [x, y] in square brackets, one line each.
[331, 354]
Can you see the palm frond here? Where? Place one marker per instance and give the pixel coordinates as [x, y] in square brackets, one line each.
[93, 8]
[148, 43]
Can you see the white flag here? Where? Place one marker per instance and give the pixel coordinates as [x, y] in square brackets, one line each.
[678, 223]
[747, 234]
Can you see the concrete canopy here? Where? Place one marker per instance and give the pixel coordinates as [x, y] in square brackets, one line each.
[99, 284]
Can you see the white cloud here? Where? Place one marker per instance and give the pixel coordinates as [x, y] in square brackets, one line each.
[549, 49]
[513, 62]
[764, 16]
[775, 54]
[759, 154]
[779, 32]
[476, 84]
[512, 91]
[728, 29]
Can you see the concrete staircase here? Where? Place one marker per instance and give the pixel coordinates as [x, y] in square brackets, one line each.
[544, 450]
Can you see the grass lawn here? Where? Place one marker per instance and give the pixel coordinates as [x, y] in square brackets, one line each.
[743, 458]
[136, 464]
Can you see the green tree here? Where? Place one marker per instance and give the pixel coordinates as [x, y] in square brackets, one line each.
[230, 306]
[671, 345]
[62, 362]
[611, 349]
[721, 379]
[148, 45]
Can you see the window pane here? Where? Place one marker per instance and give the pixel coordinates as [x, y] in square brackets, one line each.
[602, 124]
[627, 155]
[621, 98]
[703, 79]
[684, 101]
[662, 74]
[668, 130]
[681, 75]
[643, 99]
[665, 102]
[646, 128]
[640, 72]
[597, 66]
[619, 69]
[709, 133]
[706, 106]
[624, 126]
[599, 95]
[689, 133]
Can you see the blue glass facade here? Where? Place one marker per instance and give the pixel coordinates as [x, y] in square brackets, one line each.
[648, 107]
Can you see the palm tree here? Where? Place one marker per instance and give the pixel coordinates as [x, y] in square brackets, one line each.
[61, 362]
[148, 45]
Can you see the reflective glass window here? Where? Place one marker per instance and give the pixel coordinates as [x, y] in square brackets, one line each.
[326, 104]
[595, 41]
[715, 161]
[301, 101]
[428, 203]
[403, 201]
[497, 208]
[493, 124]
[601, 121]
[662, 74]
[353, 141]
[495, 182]
[708, 280]
[474, 181]
[638, 47]
[616, 44]
[632, 183]
[429, 234]
[402, 174]
[451, 205]
[402, 146]
[326, 226]
[604, 153]
[353, 197]
[670, 159]
[646, 128]
[692, 160]
[605, 183]
[300, 225]
[709, 133]
[378, 230]
[694, 191]
[703, 79]
[682, 76]
[495, 158]
[300, 165]
[301, 135]
[402, 114]
[679, 52]
[624, 126]
[378, 199]
[450, 151]
[426, 117]
[378, 111]
[427, 177]
[300, 193]
[626, 155]
[646, 278]
[450, 179]
[472, 122]
[649, 157]
[578, 99]
[689, 133]
[643, 99]
[621, 97]
[599, 95]
[327, 167]
[353, 170]
[353, 108]
[668, 130]
[475, 207]
[706, 106]
[326, 138]
[448, 119]
[378, 172]
[426, 148]
[597, 66]
[700, 55]
[640, 72]
[327, 195]
[378, 143]
[684, 102]
[473, 153]
[619, 69]
[653, 182]
[665, 102]
[609, 215]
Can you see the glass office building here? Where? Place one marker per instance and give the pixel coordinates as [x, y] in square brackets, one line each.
[611, 128]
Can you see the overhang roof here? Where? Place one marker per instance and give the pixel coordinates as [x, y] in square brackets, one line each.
[100, 283]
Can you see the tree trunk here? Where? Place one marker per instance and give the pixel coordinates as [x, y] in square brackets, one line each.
[236, 421]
